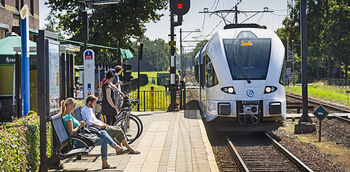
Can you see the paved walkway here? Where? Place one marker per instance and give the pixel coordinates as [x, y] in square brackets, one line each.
[175, 141]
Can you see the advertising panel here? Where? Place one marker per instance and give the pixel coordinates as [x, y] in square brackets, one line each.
[54, 76]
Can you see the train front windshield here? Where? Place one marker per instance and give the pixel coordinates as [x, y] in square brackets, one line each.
[248, 59]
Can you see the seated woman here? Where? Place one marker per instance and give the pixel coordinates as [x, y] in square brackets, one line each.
[72, 126]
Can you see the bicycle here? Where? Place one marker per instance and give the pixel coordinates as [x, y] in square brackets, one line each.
[130, 124]
[126, 121]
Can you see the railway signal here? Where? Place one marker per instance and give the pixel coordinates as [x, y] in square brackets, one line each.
[179, 7]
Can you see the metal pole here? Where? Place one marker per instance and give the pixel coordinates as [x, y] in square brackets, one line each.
[236, 14]
[144, 100]
[305, 116]
[18, 109]
[86, 22]
[138, 82]
[181, 55]
[293, 64]
[42, 66]
[25, 93]
[182, 71]
[172, 106]
[319, 132]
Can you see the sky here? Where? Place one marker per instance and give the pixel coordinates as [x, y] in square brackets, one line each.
[208, 24]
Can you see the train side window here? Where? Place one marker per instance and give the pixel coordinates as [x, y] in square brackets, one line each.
[196, 72]
[283, 73]
[210, 75]
[202, 74]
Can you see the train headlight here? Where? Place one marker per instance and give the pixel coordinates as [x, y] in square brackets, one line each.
[270, 89]
[229, 90]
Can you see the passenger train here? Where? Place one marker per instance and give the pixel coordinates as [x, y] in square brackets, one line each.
[240, 75]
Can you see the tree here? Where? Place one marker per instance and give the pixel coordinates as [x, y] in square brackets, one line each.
[335, 36]
[110, 25]
[155, 55]
[327, 35]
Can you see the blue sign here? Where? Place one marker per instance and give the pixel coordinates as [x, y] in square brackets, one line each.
[320, 113]
[250, 93]
[334, 71]
[89, 54]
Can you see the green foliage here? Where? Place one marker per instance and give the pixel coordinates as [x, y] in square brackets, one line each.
[110, 25]
[20, 144]
[328, 37]
[155, 56]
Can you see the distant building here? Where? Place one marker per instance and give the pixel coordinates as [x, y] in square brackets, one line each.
[10, 17]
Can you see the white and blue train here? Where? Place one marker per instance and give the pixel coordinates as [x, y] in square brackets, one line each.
[240, 73]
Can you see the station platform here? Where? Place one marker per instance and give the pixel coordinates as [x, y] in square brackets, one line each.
[171, 141]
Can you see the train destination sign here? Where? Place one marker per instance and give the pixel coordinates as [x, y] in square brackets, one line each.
[320, 113]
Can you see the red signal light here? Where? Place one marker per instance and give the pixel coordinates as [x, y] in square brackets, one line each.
[179, 5]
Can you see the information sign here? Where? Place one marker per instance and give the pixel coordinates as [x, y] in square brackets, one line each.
[320, 113]
[89, 73]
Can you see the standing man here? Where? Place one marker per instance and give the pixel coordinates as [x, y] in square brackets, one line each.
[114, 131]
[119, 94]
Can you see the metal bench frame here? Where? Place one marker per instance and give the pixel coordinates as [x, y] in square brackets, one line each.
[65, 148]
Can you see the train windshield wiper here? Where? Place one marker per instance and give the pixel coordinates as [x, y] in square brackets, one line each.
[245, 74]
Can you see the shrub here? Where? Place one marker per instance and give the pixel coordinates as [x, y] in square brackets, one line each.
[20, 144]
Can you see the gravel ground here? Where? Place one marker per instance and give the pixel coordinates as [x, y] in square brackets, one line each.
[336, 131]
[222, 154]
[307, 153]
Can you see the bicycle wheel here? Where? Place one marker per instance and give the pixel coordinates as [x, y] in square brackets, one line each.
[138, 120]
[130, 126]
[140, 123]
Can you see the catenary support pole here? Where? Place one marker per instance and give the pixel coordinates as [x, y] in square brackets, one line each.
[305, 116]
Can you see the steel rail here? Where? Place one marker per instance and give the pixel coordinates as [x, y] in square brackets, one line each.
[289, 155]
[328, 105]
[237, 157]
[342, 119]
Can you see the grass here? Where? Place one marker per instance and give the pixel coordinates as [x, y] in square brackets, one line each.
[319, 90]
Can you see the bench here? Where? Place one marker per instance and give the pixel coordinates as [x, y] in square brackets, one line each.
[65, 148]
[77, 113]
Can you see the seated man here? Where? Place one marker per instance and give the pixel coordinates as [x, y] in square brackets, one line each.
[114, 131]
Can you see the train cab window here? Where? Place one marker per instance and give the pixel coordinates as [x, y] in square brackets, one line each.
[248, 58]
[210, 75]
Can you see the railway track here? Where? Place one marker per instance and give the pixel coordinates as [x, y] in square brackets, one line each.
[293, 100]
[262, 153]
[331, 107]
